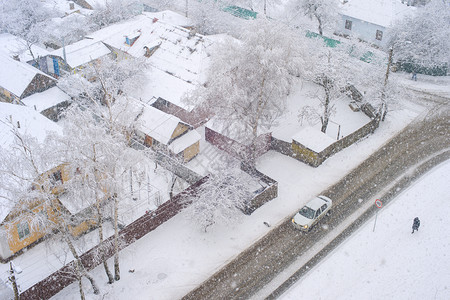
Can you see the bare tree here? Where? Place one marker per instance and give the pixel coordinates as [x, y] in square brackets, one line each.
[102, 89]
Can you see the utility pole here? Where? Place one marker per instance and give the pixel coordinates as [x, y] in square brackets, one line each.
[383, 108]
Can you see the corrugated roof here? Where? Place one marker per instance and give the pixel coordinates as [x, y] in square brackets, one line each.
[82, 52]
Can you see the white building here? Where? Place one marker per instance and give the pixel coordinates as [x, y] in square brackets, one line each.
[368, 20]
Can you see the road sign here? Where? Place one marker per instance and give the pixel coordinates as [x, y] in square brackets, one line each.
[378, 203]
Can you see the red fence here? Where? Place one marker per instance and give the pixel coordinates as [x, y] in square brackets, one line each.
[51, 285]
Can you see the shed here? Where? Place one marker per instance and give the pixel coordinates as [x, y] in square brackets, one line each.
[308, 143]
[160, 130]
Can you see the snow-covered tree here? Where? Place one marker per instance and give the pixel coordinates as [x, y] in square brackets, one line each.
[222, 198]
[422, 38]
[325, 12]
[102, 89]
[249, 79]
[114, 11]
[209, 18]
[102, 157]
[104, 80]
[34, 194]
[18, 17]
[57, 32]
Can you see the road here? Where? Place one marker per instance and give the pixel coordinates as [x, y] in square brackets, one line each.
[421, 145]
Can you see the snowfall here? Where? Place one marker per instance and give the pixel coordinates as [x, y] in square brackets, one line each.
[175, 258]
[388, 263]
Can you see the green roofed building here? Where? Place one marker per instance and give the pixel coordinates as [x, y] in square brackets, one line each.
[240, 12]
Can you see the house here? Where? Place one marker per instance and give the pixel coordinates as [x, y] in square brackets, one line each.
[170, 48]
[19, 80]
[177, 57]
[81, 53]
[162, 131]
[369, 20]
[17, 230]
[18, 49]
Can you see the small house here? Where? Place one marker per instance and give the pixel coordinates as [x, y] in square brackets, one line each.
[19, 80]
[369, 20]
[81, 53]
[19, 49]
[166, 132]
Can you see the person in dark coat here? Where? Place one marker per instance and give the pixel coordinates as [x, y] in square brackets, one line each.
[416, 224]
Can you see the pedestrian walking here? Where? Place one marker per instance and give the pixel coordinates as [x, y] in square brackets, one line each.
[414, 76]
[416, 224]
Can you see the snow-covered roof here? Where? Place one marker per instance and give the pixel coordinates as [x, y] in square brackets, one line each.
[82, 52]
[160, 84]
[46, 99]
[156, 123]
[379, 12]
[72, 206]
[313, 139]
[12, 45]
[31, 123]
[184, 141]
[179, 52]
[15, 76]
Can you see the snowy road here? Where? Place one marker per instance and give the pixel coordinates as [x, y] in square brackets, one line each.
[404, 154]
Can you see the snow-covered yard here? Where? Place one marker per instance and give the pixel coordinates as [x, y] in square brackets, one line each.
[390, 262]
[144, 192]
[307, 94]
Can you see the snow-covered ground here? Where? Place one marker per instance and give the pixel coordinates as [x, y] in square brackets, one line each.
[306, 94]
[176, 257]
[146, 191]
[390, 262]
